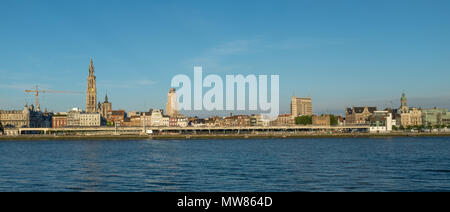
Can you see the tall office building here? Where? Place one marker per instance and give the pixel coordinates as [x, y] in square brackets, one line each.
[172, 103]
[91, 96]
[301, 106]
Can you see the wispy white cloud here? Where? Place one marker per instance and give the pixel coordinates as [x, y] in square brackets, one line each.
[22, 86]
[144, 82]
[231, 47]
[214, 58]
[125, 84]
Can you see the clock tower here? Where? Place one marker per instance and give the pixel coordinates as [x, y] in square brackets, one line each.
[91, 96]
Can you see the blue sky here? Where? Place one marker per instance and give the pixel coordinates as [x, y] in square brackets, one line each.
[341, 53]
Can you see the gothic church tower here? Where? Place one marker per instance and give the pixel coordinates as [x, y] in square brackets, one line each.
[91, 96]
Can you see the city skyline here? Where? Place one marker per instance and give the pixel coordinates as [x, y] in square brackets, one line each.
[357, 57]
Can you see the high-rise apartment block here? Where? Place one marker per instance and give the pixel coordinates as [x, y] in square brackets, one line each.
[301, 106]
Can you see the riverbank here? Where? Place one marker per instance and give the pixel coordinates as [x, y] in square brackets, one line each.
[219, 136]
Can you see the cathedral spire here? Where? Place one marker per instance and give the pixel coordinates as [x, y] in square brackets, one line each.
[91, 68]
[91, 95]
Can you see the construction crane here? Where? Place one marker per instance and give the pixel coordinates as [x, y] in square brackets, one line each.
[37, 91]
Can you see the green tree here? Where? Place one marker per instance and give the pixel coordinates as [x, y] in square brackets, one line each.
[395, 128]
[417, 127]
[304, 120]
[1, 127]
[333, 120]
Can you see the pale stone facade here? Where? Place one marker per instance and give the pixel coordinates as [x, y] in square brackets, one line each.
[159, 120]
[15, 118]
[436, 116]
[77, 118]
[411, 118]
[323, 120]
[259, 120]
[89, 119]
[172, 103]
[358, 115]
[105, 107]
[284, 120]
[408, 116]
[301, 106]
[73, 117]
[27, 117]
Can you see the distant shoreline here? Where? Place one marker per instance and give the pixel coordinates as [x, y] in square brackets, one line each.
[213, 137]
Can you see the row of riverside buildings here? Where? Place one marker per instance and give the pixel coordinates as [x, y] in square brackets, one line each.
[99, 114]
[403, 117]
[378, 120]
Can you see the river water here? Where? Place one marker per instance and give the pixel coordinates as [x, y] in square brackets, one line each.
[328, 164]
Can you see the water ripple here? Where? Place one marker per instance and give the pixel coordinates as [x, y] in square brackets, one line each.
[398, 164]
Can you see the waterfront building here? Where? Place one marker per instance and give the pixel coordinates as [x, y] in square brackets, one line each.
[90, 120]
[178, 121]
[146, 118]
[213, 121]
[253, 120]
[158, 119]
[59, 120]
[197, 122]
[323, 120]
[78, 118]
[182, 121]
[73, 117]
[29, 116]
[15, 118]
[105, 107]
[436, 116]
[43, 119]
[412, 118]
[133, 113]
[237, 121]
[301, 106]
[126, 122]
[137, 119]
[91, 95]
[259, 120]
[284, 120]
[408, 116]
[165, 121]
[172, 103]
[358, 115]
[381, 122]
[173, 122]
[116, 117]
